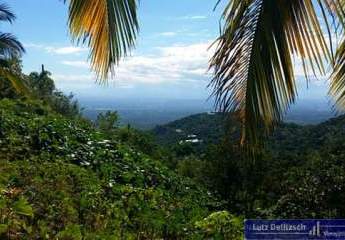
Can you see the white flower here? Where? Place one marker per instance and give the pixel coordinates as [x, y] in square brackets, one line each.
[111, 183]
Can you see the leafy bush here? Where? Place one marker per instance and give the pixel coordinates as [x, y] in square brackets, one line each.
[220, 225]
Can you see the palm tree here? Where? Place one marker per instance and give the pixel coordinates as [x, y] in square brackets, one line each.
[10, 48]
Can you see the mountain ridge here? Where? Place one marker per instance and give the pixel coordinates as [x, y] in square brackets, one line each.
[210, 128]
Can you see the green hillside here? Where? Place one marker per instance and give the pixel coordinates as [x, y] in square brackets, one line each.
[299, 174]
[211, 129]
[66, 178]
[61, 178]
[205, 128]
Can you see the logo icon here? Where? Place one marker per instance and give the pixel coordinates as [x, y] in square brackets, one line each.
[315, 231]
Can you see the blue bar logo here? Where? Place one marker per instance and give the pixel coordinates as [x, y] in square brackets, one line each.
[315, 229]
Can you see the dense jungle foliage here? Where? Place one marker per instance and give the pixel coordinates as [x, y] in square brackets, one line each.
[300, 174]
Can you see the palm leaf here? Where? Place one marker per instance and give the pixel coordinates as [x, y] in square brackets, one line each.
[17, 81]
[6, 14]
[108, 27]
[337, 86]
[253, 63]
[10, 47]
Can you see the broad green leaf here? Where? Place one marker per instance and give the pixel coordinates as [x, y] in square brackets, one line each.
[3, 228]
[22, 207]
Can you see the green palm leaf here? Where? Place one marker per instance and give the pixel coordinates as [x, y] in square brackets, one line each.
[10, 47]
[16, 80]
[108, 27]
[6, 14]
[253, 63]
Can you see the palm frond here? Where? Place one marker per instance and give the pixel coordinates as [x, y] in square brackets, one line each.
[337, 86]
[333, 14]
[336, 8]
[6, 14]
[108, 27]
[10, 47]
[253, 63]
[17, 81]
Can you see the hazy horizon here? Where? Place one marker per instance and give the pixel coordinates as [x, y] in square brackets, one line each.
[146, 113]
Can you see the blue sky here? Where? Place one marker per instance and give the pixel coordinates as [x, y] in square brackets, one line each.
[170, 60]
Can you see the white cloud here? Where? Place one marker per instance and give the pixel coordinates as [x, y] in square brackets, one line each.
[174, 64]
[65, 50]
[84, 81]
[194, 17]
[167, 34]
[79, 64]
[198, 17]
[74, 79]
[177, 64]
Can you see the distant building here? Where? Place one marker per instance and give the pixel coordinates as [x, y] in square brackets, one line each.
[193, 141]
[179, 131]
[192, 136]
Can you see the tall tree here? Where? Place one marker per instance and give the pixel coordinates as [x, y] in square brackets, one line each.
[41, 83]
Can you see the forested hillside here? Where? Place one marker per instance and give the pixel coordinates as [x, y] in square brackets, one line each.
[61, 178]
[203, 128]
[299, 174]
[213, 128]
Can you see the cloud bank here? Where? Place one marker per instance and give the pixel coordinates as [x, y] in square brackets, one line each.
[177, 64]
